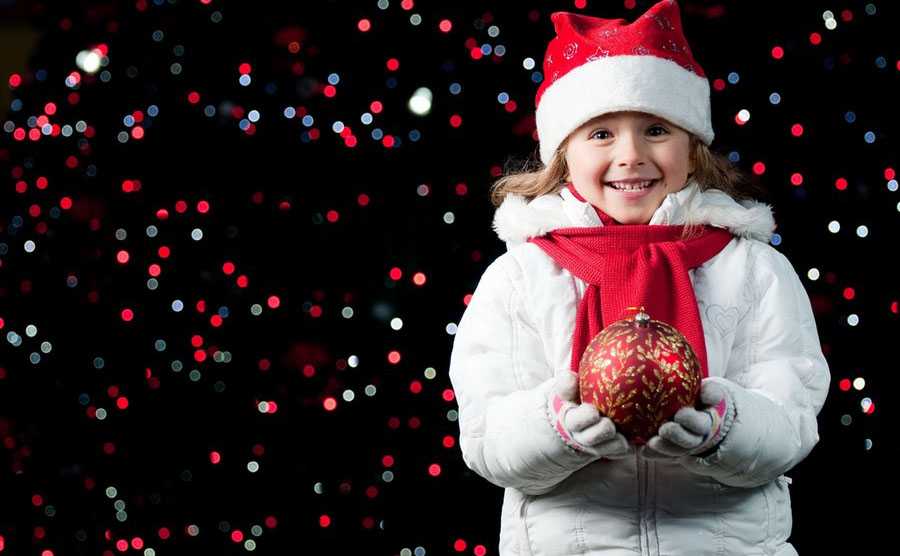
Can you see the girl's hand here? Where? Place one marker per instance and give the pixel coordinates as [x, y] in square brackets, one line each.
[582, 427]
[693, 432]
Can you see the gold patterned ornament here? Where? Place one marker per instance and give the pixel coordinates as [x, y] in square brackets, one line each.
[639, 372]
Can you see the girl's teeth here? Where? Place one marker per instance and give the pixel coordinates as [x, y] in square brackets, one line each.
[631, 186]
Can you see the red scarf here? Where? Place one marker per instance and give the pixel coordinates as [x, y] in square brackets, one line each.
[631, 266]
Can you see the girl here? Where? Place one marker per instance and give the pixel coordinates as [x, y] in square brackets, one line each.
[630, 207]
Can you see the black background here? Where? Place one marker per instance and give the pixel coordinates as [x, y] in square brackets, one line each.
[161, 468]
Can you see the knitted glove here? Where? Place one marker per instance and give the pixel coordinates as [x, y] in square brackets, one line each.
[582, 427]
[693, 432]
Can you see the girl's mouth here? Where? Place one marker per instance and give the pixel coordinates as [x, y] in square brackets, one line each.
[632, 186]
[632, 191]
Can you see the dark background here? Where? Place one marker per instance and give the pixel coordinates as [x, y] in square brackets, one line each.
[285, 208]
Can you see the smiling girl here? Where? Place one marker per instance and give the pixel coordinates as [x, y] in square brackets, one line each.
[629, 207]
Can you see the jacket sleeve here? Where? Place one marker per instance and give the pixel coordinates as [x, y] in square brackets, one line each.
[778, 396]
[505, 432]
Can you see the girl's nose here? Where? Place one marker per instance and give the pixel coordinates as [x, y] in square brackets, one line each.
[629, 151]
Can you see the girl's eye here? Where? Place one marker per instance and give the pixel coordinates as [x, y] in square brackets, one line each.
[605, 133]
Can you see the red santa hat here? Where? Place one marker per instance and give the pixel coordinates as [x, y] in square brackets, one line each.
[594, 66]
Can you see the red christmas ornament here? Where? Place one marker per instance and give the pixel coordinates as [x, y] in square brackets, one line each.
[639, 372]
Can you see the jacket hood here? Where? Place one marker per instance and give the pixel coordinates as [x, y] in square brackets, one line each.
[517, 219]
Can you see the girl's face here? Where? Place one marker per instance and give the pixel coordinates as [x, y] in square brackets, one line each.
[622, 146]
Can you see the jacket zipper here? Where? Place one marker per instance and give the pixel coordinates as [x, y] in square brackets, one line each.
[642, 525]
[646, 522]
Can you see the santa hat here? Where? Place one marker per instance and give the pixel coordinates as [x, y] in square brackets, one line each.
[594, 66]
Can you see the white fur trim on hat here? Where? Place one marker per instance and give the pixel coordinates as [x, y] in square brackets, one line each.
[616, 83]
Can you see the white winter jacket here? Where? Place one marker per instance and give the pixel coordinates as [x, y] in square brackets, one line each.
[761, 342]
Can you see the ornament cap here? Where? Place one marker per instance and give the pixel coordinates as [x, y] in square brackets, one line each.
[641, 317]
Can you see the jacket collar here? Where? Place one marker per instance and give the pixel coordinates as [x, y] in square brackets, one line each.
[516, 219]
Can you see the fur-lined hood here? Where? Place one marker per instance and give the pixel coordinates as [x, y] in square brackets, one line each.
[516, 219]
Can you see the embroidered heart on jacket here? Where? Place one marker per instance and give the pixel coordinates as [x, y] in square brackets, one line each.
[724, 319]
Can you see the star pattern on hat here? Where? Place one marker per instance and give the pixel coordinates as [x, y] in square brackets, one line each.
[662, 21]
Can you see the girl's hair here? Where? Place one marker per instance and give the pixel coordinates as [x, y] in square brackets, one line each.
[711, 170]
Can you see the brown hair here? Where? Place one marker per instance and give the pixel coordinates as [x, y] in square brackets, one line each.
[711, 170]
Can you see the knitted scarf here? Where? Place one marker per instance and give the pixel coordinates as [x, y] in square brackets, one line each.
[633, 265]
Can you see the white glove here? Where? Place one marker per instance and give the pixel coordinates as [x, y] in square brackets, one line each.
[582, 427]
[693, 432]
